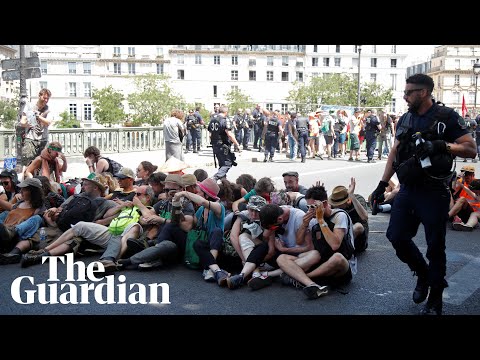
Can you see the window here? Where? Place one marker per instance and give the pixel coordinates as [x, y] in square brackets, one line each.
[394, 49]
[159, 51]
[472, 80]
[252, 62]
[72, 89]
[373, 62]
[314, 61]
[456, 97]
[43, 67]
[269, 107]
[457, 80]
[337, 62]
[73, 109]
[117, 68]
[374, 49]
[355, 62]
[284, 60]
[131, 68]
[471, 97]
[234, 60]
[87, 68]
[393, 63]
[315, 48]
[214, 90]
[131, 51]
[87, 112]
[394, 105]
[270, 60]
[472, 62]
[337, 48]
[284, 76]
[181, 74]
[393, 78]
[269, 75]
[159, 68]
[43, 85]
[252, 75]
[284, 108]
[355, 49]
[72, 67]
[457, 64]
[326, 62]
[180, 59]
[299, 76]
[216, 60]
[234, 75]
[234, 87]
[315, 74]
[198, 59]
[116, 51]
[87, 89]
[373, 78]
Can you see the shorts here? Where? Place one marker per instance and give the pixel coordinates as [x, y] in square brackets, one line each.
[336, 281]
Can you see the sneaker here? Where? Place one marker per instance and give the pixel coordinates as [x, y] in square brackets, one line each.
[315, 291]
[235, 281]
[134, 246]
[221, 277]
[421, 290]
[36, 252]
[9, 258]
[151, 265]
[30, 259]
[460, 226]
[109, 267]
[208, 275]
[289, 281]
[259, 282]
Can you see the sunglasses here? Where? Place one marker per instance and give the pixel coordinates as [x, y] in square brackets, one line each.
[168, 190]
[313, 206]
[138, 194]
[5, 183]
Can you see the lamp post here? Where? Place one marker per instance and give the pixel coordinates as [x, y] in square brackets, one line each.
[358, 88]
[476, 71]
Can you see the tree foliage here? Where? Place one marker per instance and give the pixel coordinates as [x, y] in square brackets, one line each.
[108, 106]
[236, 99]
[154, 100]
[67, 121]
[8, 113]
[336, 89]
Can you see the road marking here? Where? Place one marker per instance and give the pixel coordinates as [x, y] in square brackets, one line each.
[463, 283]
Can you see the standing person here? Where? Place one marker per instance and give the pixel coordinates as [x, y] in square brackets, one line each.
[424, 196]
[247, 128]
[258, 119]
[221, 138]
[173, 133]
[372, 127]
[196, 132]
[272, 130]
[355, 126]
[34, 120]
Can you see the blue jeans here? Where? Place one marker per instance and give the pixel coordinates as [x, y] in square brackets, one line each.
[27, 228]
[293, 146]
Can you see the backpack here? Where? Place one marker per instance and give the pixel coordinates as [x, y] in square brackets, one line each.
[113, 166]
[80, 208]
[126, 217]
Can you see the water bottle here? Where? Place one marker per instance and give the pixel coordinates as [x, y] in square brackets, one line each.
[425, 162]
[43, 235]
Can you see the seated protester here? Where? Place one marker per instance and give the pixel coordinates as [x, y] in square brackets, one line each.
[328, 235]
[246, 237]
[9, 181]
[21, 222]
[344, 199]
[263, 188]
[99, 164]
[52, 198]
[125, 178]
[290, 179]
[280, 224]
[156, 182]
[48, 163]
[460, 209]
[200, 174]
[247, 181]
[100, 235]
[144, 170]
[229, 192]
[385, 201]
[473, 190]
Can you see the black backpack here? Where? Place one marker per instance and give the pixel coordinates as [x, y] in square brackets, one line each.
[80, 208]
[113, 166]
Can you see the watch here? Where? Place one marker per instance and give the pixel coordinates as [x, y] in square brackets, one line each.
[324, 224]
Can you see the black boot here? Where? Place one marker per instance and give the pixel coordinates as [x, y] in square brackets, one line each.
[421, 290]
[303, 159]
[434, 305]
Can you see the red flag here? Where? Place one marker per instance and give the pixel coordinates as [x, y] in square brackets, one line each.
[464, 107]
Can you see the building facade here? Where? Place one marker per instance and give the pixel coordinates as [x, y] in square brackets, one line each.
[7, 88]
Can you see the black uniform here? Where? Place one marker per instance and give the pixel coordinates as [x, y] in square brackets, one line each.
[221, 144]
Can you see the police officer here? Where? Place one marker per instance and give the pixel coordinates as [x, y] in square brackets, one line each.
[196, 130]
[372, 127]
[424, 196]
[247, 128]
[190, 126]
[272, 129]
[238, 125]
[302, 131]
[258, 119]
[221, 138]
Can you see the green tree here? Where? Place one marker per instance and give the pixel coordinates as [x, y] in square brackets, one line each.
[236, 99]
[154, 100]
[67, 121]
[8, 113]
[108, 106]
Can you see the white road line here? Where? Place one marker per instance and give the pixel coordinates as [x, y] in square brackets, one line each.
[463, 283]
[330, 170]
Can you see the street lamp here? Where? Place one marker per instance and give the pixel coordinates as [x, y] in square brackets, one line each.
[358, 88]
[476, 71]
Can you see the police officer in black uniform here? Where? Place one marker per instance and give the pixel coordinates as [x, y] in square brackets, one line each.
[424, 196]
[271, 131]
[258, 119]
[221, 138]
[190, 122]
[238, 122]
[372, 127]
[247, 128]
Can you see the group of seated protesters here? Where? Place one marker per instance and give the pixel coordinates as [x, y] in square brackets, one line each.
[152, 219]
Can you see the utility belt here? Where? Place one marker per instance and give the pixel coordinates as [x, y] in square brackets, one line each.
[411, 173]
